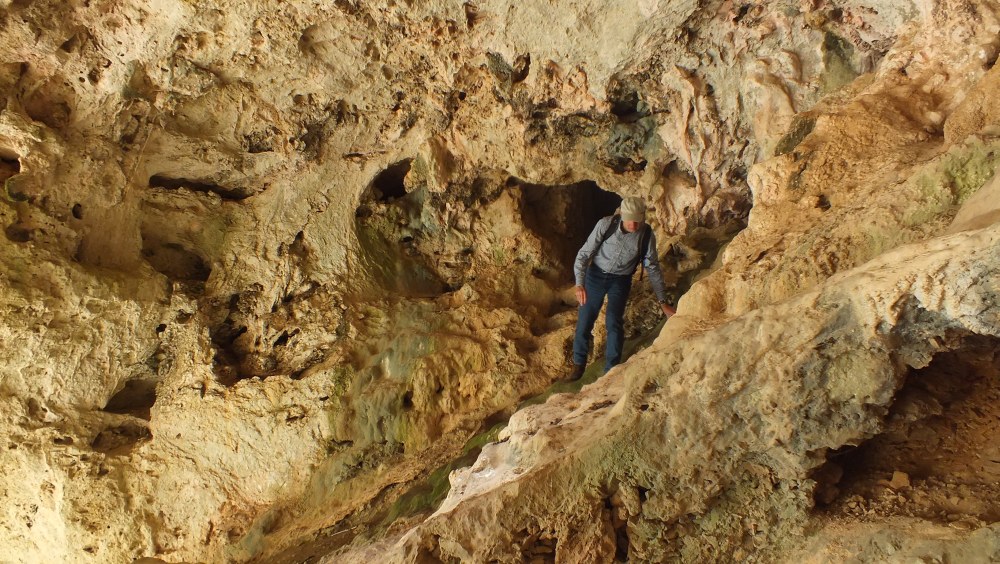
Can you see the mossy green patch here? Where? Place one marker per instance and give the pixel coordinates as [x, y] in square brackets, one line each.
[837, 62]
[800, 128]
[876, 240]
[429, 493]
[953, 179]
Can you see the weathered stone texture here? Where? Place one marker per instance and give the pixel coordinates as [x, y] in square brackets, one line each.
[268, 265]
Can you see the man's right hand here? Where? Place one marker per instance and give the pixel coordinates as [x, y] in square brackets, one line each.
[581, 295]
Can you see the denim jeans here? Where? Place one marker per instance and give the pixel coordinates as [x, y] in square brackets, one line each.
[599, 284]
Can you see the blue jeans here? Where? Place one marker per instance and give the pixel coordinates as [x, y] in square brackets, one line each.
[599, 284]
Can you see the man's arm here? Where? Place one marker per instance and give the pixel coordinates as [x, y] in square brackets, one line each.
[588, 250]
[652, 262]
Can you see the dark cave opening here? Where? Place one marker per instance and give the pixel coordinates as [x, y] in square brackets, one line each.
[937, 458]
[136, 398]
[390, 183]
[10, 165]
[563, 217]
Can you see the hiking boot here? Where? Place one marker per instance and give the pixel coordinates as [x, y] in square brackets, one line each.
[577, 372]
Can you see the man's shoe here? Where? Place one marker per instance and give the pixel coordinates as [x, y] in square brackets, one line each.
[577, 372]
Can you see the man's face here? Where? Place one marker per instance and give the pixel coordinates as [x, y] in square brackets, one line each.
[631, 226]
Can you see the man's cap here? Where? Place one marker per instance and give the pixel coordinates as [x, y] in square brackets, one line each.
[633, 209]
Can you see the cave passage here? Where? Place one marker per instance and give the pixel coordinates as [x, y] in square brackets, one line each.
[937, 458]
[563, 217]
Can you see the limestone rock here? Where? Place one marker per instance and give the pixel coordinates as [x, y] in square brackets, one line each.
[271, 272]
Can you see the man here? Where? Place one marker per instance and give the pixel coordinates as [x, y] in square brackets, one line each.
[604, 267]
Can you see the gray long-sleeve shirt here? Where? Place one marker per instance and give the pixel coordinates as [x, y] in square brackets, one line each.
[618, 255]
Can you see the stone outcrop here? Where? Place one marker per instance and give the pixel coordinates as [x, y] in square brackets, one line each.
[272, 270]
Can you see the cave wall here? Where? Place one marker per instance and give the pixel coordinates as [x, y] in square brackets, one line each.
[288, 256]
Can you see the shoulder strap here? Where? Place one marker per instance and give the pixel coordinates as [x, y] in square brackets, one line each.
[615, 222]
[647, 233]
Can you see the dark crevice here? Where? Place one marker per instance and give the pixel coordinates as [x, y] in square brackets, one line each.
[136, 398]
[228, 355]
[626, 102]
[620, 527]
[935, 458]
[282, 339]
[521, 68]
[175, 261]
[392, 251]
[242, 350]
[471, 14]
[389, 184]
[19, 233]
[121, 439]
[170, 183]
[53, 113]
[10, 165]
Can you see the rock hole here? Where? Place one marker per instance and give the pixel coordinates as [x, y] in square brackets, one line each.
[229, 355]
[936, 458]
[620, 526]
[77, 211]
[822, 202]
[47, 106]
[121, 439]
[521, 68]
[626, 102]
[10, 165]
[390, 183]
[171, 183]
[742, 12]
[19, 233]
[991, 60]
[175, 261]
[136, 398]
[282, 340]
[403, 269]
[471, 14]
[70, 44]
[408, 400]
[161, 327]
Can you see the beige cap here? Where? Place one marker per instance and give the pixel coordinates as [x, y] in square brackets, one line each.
[633, 209]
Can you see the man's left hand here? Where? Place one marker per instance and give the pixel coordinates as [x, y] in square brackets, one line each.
[667, 310]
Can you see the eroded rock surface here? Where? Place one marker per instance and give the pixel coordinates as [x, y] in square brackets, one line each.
[269, 267]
